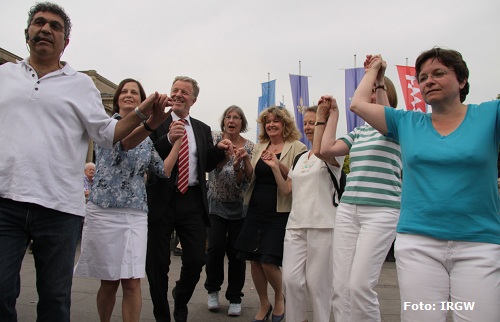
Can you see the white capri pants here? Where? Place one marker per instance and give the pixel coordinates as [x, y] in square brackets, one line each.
[307, 267]
[440, 275]
[363, 236]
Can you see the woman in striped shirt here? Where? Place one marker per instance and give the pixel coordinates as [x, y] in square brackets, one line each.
[369, 208]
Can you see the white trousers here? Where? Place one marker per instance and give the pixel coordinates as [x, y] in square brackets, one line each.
[363, 236]
[307, 267]
[440, 275]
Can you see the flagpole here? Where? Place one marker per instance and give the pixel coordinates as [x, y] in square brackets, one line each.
[268, 89]
[354, 60]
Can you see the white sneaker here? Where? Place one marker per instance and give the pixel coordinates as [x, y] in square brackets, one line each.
[213, 301]
[234, 309]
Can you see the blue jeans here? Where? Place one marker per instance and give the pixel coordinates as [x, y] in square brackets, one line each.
[55, 236]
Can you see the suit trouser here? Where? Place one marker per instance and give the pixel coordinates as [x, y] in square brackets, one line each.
[307, 268]
[362, 238]
[184, 214]
[439, 275]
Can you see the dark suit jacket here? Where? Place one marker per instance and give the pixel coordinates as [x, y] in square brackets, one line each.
[160, 190]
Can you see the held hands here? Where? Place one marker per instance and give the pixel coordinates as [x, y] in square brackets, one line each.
[225, 145]
[240, 155]
[176, 131]
[270, 159]
[326, 104]
[375, 63]
[155, 102]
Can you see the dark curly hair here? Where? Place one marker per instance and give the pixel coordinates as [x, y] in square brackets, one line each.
[55, 9]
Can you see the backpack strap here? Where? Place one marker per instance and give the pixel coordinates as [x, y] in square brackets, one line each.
[297, 157]
[335, 183]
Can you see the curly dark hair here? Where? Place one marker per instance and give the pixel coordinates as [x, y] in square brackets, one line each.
[451, 59]
[55, 9]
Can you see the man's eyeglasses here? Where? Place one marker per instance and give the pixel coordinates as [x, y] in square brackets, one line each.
[54, 25]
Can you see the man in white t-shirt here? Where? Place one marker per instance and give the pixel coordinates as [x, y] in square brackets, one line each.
[48, 113]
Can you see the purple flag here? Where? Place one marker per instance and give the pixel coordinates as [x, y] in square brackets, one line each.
[353, 77]
[300, 97]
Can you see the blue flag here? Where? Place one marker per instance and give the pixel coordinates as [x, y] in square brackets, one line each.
[353, 77]
[269, 93]
[300, 97]
[267, 99]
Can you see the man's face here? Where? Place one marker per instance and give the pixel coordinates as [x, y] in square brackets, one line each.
[89, 171]
[49, 27]
[182, 95]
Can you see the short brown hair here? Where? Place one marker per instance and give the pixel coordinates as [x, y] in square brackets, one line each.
[116, 108]
[451, 59]
[196, 88]
[391, 92]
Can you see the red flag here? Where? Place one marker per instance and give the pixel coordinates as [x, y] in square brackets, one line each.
[411, 91]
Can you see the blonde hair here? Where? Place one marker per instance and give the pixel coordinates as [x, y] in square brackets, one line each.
[290, 131]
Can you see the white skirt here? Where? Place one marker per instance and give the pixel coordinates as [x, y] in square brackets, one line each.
[114, 244]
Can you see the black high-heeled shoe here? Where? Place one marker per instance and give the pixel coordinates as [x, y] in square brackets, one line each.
[279, 318]
[266, 317]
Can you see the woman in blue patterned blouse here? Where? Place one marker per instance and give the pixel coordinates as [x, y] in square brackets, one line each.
[115, 230]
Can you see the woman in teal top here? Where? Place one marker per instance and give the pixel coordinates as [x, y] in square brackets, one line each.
[448, 241]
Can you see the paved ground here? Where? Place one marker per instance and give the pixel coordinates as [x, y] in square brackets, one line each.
[84, 298]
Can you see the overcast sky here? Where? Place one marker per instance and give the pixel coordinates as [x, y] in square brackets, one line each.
[230, 46]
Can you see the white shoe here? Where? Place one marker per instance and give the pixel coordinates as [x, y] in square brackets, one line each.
[213, 301]
[234, 309]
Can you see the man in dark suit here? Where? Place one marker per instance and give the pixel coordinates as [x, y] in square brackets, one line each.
[170, 207]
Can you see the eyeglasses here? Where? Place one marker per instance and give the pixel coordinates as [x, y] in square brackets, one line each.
[54, 25]
[436, 74]
[231, 117]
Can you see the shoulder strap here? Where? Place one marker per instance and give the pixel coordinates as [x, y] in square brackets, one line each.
[335, 184]
[297, 157]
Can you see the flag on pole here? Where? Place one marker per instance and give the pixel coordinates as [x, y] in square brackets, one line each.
[411, 91]
[269, 93]
[353, 77]
[267, 99]
[300, 98]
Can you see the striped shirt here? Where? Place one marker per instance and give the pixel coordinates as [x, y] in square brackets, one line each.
[375, 162]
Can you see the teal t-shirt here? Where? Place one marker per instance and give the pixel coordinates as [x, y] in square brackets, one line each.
[450, 189]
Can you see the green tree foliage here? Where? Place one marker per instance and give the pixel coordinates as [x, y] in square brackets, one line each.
[346, 167]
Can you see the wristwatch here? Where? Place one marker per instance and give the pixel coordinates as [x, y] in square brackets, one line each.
[319, 123]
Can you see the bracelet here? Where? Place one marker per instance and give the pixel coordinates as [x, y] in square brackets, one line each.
[147, 127]
[139, 113]
[319, 123]
[381, 87]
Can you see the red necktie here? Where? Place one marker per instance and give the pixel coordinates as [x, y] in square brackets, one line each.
[183, 178]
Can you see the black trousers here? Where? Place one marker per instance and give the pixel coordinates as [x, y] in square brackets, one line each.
[185, 215]
[221, 238]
